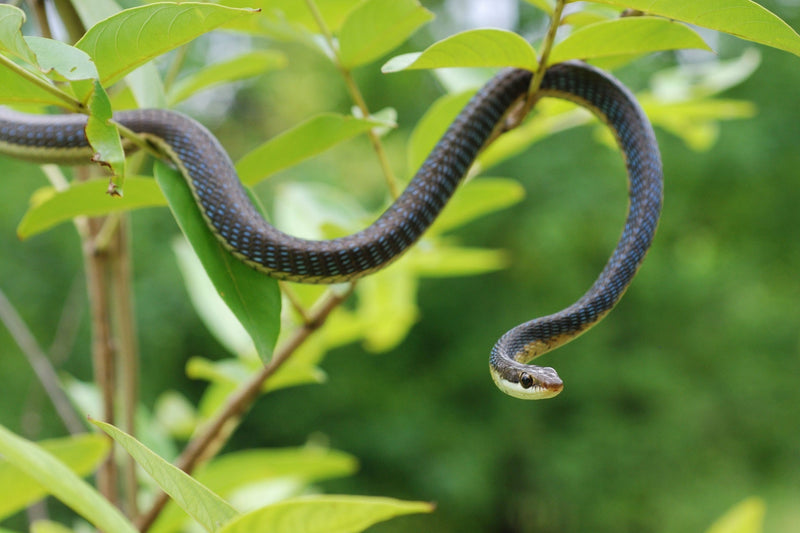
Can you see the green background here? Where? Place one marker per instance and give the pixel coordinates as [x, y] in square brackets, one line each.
[683, 402]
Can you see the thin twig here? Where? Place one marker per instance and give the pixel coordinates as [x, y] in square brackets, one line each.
[228, 417]
[67, 101]
[358, 98]
[547, 46]
[40, 364]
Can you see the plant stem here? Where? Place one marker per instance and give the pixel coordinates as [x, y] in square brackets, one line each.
[67, 101]
[128, 350]
[97, 264]
[358, 98]
[547, 46]
[40, 364]
[228, 417]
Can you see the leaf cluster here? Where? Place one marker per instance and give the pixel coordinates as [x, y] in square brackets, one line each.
[111, 67]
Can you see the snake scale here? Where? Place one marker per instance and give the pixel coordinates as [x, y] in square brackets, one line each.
[236, 222]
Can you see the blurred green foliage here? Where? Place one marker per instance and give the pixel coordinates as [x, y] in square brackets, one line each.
[683, 402]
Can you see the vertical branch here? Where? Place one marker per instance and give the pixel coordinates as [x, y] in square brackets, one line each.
[127, 347]
[97, 265]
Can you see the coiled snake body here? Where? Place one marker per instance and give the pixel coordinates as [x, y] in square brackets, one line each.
[237, 224]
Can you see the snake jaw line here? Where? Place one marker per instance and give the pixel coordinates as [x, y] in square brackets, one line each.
[540, 383]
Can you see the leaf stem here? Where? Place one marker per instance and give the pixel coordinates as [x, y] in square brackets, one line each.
[68, 101]
[547, 46]
[358, 98]
[228, 417]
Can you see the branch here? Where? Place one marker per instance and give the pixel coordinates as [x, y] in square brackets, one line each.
[40, 364]
[241, 400]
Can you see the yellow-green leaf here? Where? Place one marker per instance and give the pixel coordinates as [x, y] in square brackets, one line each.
[472, 48]
[742, 18]
[430, 128]
[240, 67]
[81, 454]
[103, 137]
[376, 27]
[61, 482]
[16, 89]
[134, 36]
[87, 198]
[305, 140]
[324, 514]
[232, 471]
[477, 198]
[47, 526]
[197, 500]
[11, 41]
[745, 517]
[448, 261]
[545, 5]
[630, 35]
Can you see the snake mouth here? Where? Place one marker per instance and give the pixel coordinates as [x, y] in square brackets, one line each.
[528, 382]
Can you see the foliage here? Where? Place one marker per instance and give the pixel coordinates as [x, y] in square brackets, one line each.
[111, 67]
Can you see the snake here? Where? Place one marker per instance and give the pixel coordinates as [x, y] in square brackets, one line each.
[241, 229]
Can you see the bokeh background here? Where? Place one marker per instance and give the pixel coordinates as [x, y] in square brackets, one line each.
[683, 402]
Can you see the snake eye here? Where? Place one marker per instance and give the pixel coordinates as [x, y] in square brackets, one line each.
[526, 381]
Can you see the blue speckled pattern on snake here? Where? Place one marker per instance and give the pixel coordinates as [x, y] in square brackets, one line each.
[232, 217]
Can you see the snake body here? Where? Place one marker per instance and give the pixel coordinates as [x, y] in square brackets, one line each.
[238, 225]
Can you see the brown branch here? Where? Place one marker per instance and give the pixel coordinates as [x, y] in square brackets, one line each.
[222, 425]
[128, 350]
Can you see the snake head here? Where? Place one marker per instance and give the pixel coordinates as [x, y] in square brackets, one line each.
[527, 382]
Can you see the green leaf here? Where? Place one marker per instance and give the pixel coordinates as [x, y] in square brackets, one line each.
[232, 471]
[81, 454]
[46, 526]
[291, 19]
[86, 198]
[745, 517]
[104, 139]
[61, 482]
[198, 501]
[67, 61]
[252, 296]
[11, 41]
[742, 18]
[144, 82]
[472, 48]
[324, 514]
[308, 464]
[16, 89]
[134, 36]
[447, 261]
[305, 140]
[629, 35]
[545, 5]
[376, 27]
[63, 62]
[240, 67]
[391, 292]
[477, 198]
[552, 116]
[208, 304]
[433, 124]
[696, 121]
